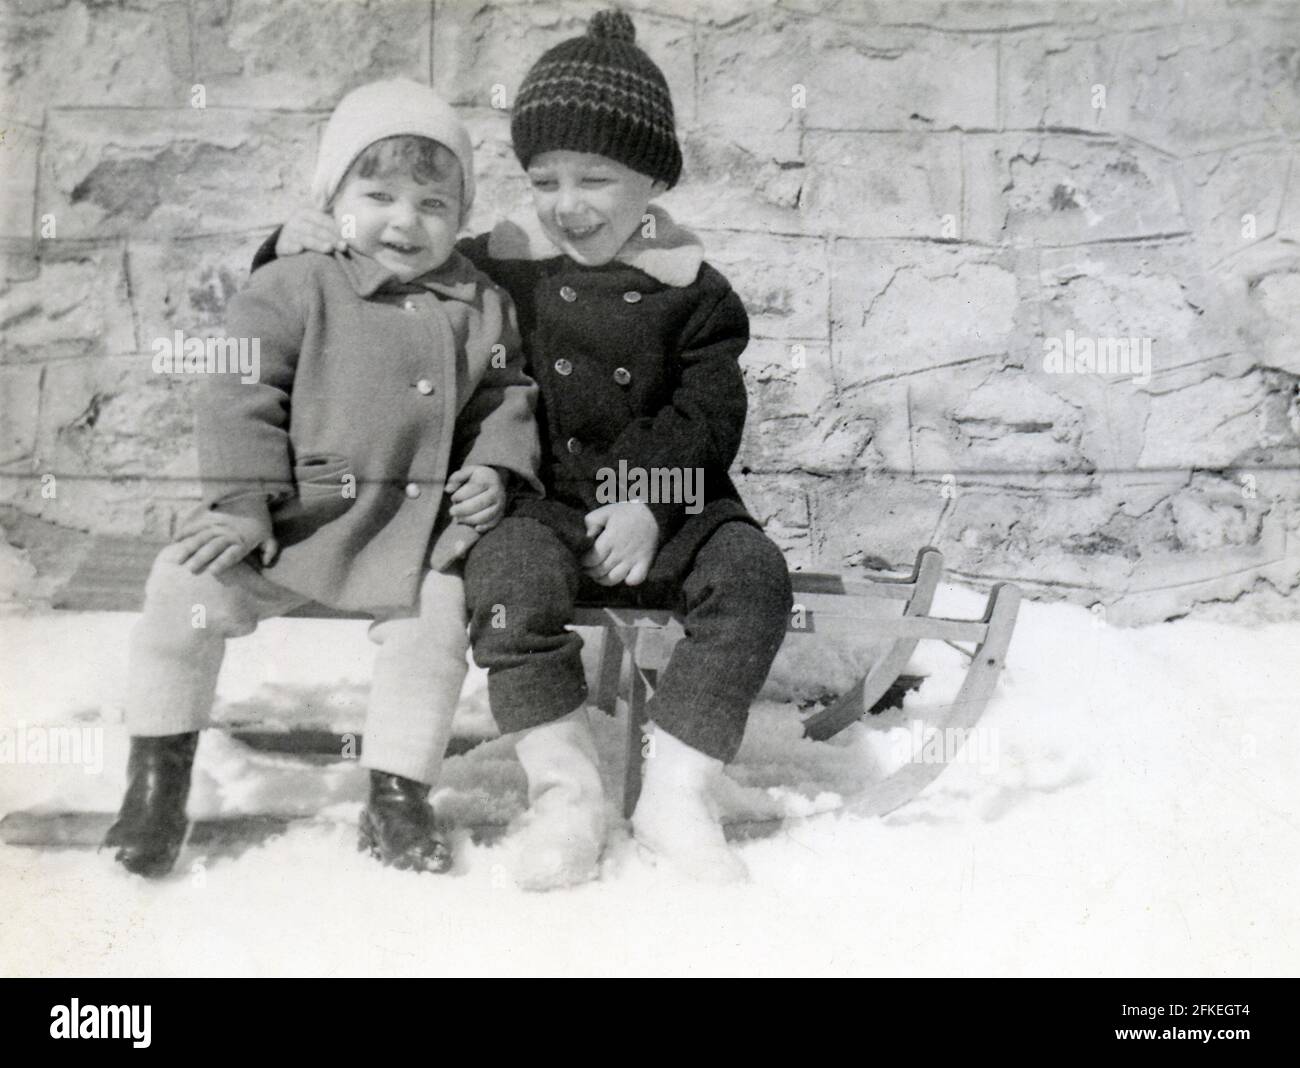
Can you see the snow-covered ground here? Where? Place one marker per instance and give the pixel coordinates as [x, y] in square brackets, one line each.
[1128, 806]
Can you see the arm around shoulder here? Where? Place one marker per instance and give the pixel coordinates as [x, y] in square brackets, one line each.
[497, 427]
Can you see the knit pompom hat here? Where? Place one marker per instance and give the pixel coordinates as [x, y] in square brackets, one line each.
[599, 93]
[388, 109]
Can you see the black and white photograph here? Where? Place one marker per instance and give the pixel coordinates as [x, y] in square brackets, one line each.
[651, 488]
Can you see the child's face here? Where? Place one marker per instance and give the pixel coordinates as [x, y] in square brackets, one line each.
[589, 205]
[410, 227]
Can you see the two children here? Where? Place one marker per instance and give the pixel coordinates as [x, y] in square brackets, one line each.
[390, 413]
[634, 342]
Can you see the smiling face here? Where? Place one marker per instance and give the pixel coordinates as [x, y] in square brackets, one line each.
[403, 214]
[589, 205]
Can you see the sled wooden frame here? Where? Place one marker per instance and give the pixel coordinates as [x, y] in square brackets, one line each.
[637, 644]
[826, 604]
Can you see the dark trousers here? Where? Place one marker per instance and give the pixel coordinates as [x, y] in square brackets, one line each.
[522, 581]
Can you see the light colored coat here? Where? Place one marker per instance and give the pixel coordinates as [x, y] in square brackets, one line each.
[370, 393]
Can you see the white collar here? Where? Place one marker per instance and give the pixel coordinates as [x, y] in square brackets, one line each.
[672, 256]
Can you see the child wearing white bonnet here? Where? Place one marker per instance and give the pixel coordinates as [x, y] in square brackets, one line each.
[390, 417]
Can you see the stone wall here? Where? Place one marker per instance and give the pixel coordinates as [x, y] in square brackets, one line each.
[914, 198]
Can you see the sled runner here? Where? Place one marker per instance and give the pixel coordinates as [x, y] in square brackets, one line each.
[833, 606]
[636, 646]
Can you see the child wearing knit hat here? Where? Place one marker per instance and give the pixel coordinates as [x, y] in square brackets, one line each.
[355, 471]
[634, 341]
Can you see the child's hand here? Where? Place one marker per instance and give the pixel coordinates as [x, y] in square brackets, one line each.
[309, 230]
[478, 496]
[626, 546]
[218, 540]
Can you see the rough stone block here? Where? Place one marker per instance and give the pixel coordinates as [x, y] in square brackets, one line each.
[166, 173]
[79, 306]
[858, 517]
[960, 423]
[901, 308]
[1064, 539]
[297, 54]
[1002, 16]
[19, 147]
[1064, 190]
[1235, 197]
[1213, 82]
[783, 281]
[81, 53]
[1131, 292]
[739, 180]
[795, 422]
[748, 73]
[825, 74]
[1065, 78]
[186, 285]
[119, 506]
[1109, 415]
[1011, 423]
[1210, 424]
[1213, 514]
[873, 79]
[883, 185]
[1276, 299]
[1288, 226]
[116, 419]
[20, 402]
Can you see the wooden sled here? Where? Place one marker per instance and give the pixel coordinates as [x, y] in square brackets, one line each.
[636, 646]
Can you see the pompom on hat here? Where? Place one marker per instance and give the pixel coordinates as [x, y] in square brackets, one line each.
[599, 93]
[392, 108]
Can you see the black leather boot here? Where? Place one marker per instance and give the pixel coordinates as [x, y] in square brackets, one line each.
[151, 824]
[398, 827]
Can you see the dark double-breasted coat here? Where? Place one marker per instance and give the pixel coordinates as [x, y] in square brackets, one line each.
[638, 364]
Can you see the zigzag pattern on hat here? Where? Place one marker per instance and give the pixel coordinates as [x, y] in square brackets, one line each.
[599, 93]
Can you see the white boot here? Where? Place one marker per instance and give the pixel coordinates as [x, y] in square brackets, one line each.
[563, 830]
[676, 818]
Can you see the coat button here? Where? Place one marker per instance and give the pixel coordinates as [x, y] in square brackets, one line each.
[424, 386]
[622, 376]
[409, 305]
[412, 490]
[574, 446]
[567, 294]
[563, 366]
[632, 296]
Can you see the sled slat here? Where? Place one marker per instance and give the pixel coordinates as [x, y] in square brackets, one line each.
[327, 745]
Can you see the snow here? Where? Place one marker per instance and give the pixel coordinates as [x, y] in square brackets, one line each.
[1128, 806]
